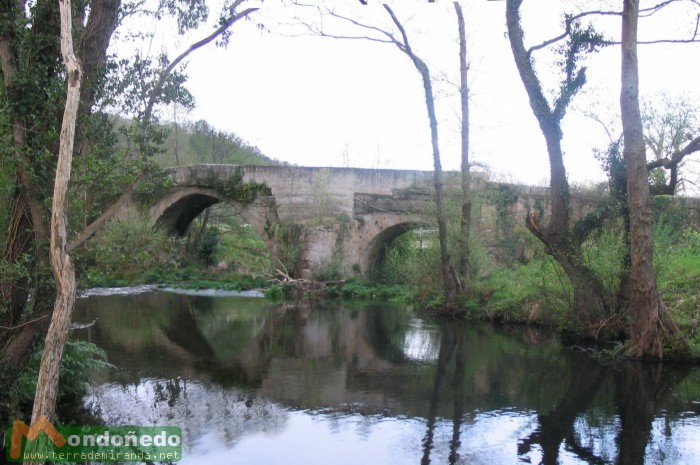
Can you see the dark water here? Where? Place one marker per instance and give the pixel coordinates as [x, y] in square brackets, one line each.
[254, 383]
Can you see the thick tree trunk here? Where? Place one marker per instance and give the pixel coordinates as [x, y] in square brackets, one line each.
[590, 298]
[652, 326]
[64, 273]
[103, 20]
[465, 221]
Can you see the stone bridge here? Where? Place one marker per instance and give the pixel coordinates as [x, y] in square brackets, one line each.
[337, 218]
[342, 219]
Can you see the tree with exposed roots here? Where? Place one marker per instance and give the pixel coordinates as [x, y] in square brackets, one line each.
[653, 333]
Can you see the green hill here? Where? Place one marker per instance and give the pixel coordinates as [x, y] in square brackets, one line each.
[198, 142]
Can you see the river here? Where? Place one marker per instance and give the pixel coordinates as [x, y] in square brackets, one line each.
[252, 382]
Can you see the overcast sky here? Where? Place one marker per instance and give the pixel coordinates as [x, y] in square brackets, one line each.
[315, 101]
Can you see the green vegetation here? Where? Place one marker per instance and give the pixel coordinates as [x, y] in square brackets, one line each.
[191, 143]
[678, 275]
[80, 358]
[355, 289]
[227, 255]
[221, 251]
[127, 252]
[515, 280]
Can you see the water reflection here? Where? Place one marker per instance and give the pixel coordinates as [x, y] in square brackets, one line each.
[250, 382]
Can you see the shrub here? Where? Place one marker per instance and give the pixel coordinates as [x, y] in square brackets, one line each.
[604, 255]
[79, 359]
[127, 251]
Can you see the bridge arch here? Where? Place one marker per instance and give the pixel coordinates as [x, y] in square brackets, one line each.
[179, 207]
[378, 245]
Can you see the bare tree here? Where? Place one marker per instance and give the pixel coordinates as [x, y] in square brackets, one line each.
[465, 221]
[424, 71]
[63, 271]
[402, 42]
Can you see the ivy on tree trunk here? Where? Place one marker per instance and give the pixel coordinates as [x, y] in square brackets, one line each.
[591, 300]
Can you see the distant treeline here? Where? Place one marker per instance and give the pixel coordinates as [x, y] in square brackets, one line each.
[198, 142]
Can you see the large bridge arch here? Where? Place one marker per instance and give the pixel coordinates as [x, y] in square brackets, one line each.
[376, 249]
[179, 207]
[176, 212]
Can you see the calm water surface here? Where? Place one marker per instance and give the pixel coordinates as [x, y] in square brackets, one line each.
[250, 382]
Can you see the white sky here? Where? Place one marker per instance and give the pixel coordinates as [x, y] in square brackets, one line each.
[316, 101]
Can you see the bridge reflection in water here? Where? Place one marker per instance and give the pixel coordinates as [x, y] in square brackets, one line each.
[251, 382]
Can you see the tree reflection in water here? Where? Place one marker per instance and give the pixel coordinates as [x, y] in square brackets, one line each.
[642, 390]
[376, 381]
[452, 346]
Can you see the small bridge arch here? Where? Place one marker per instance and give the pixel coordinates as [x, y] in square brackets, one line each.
[375, 252]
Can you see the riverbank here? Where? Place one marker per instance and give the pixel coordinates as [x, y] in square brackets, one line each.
[526, 294]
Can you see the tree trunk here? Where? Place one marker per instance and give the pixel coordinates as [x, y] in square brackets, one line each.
[28, 231]
[652, 326]
[590, 298]
[64, 273]
[465, 221]
[445, 266]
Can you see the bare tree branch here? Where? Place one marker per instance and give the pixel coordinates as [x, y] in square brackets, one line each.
[646, 12]
[595, 118]
[390, 39]
[406, 47]
[326, 11]
[220, 30]
[669, 162]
